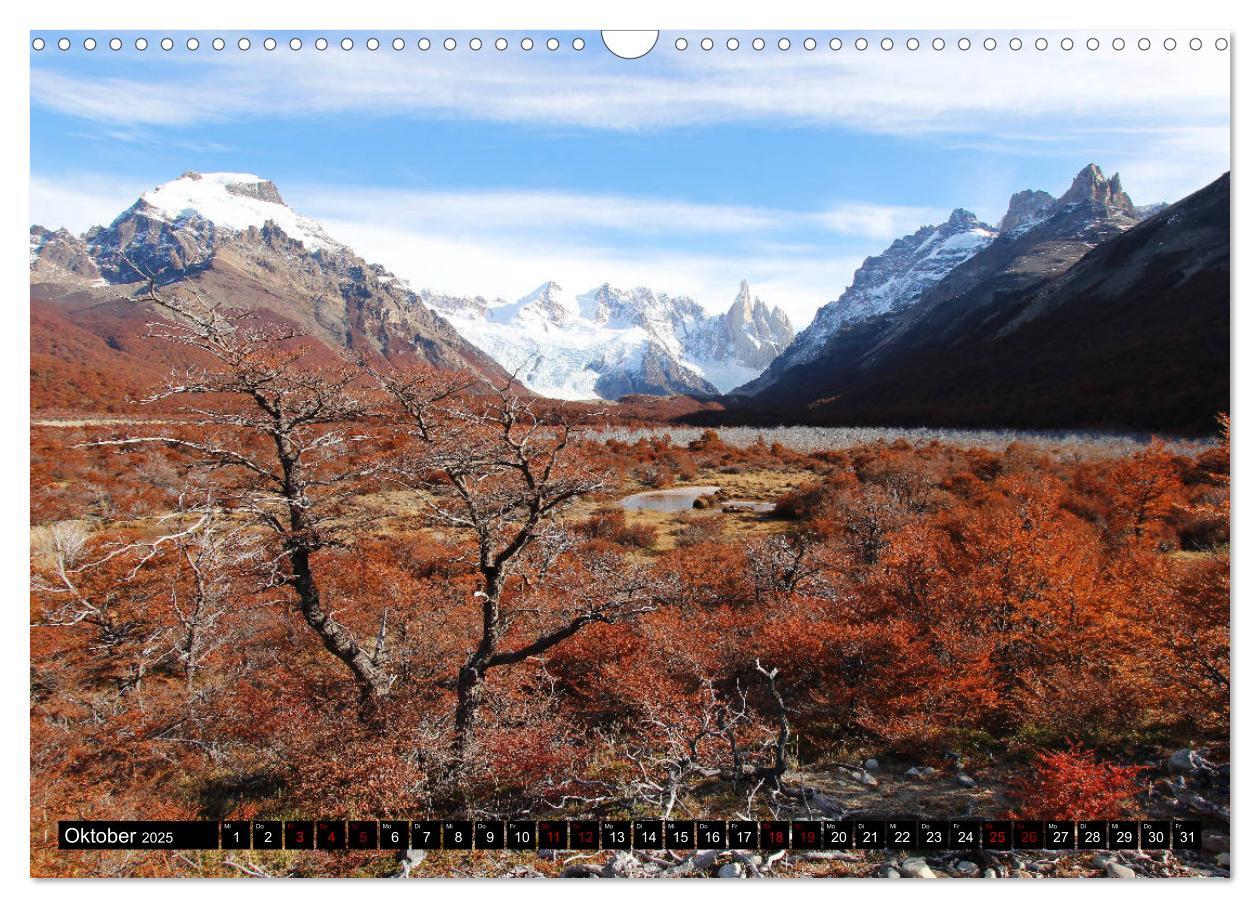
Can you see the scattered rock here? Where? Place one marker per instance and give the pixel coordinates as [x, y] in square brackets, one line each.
[1102, 859]
[1119, 871]
[734, 871]
[1215, 843]
[967, 868]
[622, 864]
[1187, 760]
[888, 871]
[916, 867]
[965, 780]
[990, 873]
[871, 765]
[1222, 859]
[580, 871]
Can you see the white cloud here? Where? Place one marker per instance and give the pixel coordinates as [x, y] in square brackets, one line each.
[898, 92]
[510, 269]
[513, 210]
[507, 243]
[80, 201]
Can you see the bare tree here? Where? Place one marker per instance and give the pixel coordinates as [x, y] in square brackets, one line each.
[787, 563]
[210, 557]
[485, 463]
[281, 428]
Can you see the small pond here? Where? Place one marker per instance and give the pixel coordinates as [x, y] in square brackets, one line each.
[684, 498]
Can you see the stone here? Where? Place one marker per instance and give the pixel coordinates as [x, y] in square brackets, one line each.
[580, 871]
[965, 780]
[871, 765]
[967, 868]
[622, 864]
[1222, 859]
[1102, 859]
[888, 872]
[916, 867]
[1186, 760]
[990, 873]
[1215, 843]
[1118, 871]
[732, 871]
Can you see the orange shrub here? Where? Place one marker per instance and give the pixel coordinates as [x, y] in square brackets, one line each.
[1074, 784]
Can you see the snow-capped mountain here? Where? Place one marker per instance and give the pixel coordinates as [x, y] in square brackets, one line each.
[234, 238]
[890, 281]
[609, 342]
[1045, 232]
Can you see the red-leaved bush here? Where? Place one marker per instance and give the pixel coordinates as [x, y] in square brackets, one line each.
[1075, 784]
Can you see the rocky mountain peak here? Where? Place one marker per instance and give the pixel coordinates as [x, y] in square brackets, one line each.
[241, 184]
[961, 219]
[1092, 186]
[547, 303]
[741, 311]
[1027, 207]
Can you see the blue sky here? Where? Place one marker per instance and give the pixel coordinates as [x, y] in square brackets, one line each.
[688, 170]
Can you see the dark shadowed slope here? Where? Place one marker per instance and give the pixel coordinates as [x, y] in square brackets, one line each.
[1037, 332]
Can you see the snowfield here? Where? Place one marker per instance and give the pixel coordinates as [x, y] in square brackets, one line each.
[235, 201]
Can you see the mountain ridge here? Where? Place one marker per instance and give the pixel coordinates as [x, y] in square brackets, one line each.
[609, 342]
[1090, 317]
[232, 237]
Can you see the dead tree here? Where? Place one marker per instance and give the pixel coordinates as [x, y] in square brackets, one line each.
[210, 555]
[281, 429]
[486, 464]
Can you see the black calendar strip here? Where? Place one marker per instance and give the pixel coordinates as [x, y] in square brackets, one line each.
[647, 835]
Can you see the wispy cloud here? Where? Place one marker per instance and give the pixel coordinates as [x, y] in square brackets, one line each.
[899, 92]
[510, 269]
[514, 210]
[80, 200]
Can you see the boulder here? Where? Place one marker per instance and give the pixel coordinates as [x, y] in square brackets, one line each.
[917, 868]
[965, 780]
[732, 871]
[1118, 871]
[871, 765]
[622, 864]
[865, 778]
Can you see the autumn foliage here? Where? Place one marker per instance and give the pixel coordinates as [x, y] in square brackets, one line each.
[905, 599]
[1074, 784]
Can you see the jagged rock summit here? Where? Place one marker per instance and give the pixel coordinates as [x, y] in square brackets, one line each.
[1086, 311]
[1042, 232]
[886, 283]
[609, 342]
